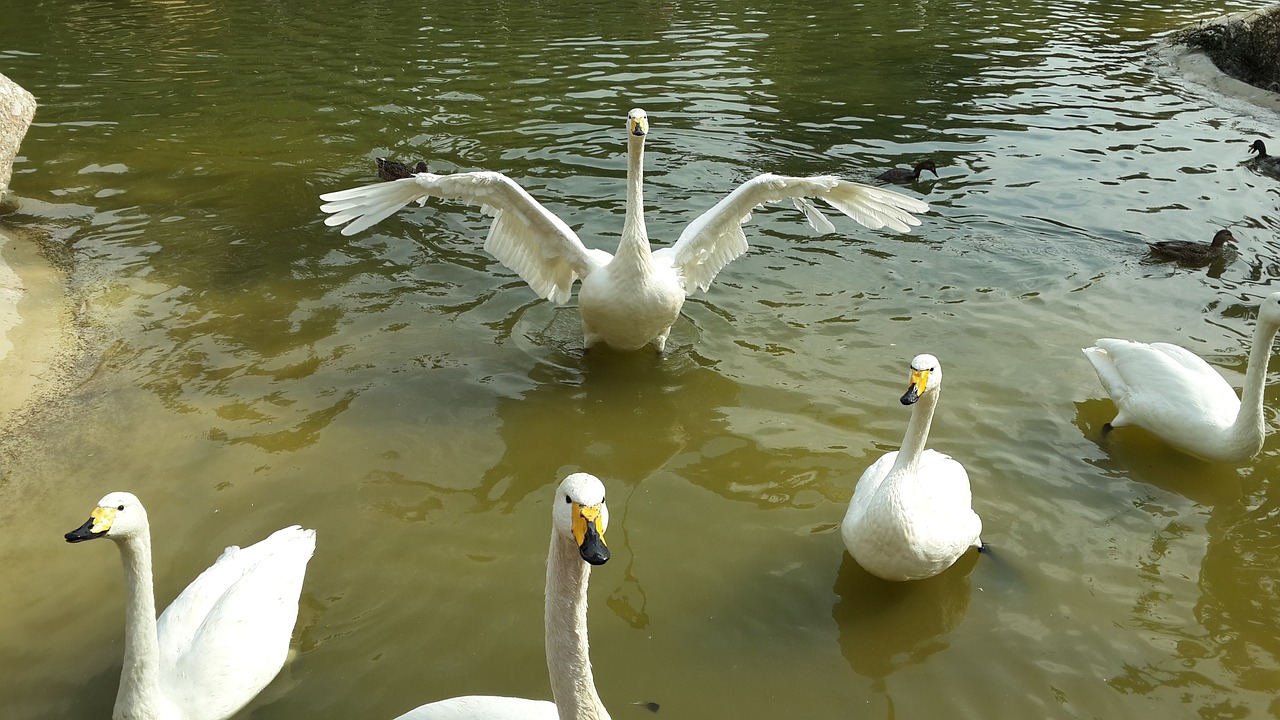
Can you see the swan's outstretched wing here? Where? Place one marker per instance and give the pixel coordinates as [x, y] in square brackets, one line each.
[227, 635]
[715, 238]
[484, 707]
[525, 236]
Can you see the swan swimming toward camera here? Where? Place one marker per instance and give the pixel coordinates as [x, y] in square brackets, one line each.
[911, 516]
[1179, 397]
[579, 518]
[629, 299]
[222, 640]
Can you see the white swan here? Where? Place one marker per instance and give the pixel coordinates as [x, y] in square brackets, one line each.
[222, 640]
[579, 517]
[911, 515]
[1180, 398]
[629, 299]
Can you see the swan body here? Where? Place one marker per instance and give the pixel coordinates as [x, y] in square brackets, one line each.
[1180, 398]
[911, 516]
[631, 298]
[222, 640]
[579, 520]
[906, 175]
[1188, 251]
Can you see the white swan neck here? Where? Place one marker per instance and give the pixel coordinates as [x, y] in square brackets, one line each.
[572, 686]
[913, 442]
[139, 695]
[1248, 428]
[634, 245]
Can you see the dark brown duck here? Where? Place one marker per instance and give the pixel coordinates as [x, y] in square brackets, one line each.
[1189, 251]
[392, 170]
[906, 175]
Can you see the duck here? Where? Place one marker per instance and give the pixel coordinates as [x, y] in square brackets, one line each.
[389, 170]
[579, 518]
[1195, 252]
[906, 175]
[630, 299]
[1267, 164]
[222, 640]
[911, 516]
[1181, 399]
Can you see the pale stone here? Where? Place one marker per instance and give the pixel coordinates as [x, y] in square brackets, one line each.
[17, 108]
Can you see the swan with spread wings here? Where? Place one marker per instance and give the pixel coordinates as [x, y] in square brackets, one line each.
[629, 299]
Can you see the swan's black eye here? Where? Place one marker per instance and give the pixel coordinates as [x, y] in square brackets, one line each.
[120, 508]
[567, 501]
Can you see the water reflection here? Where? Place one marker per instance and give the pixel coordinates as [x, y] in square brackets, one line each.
[885, 626]
[619, 415]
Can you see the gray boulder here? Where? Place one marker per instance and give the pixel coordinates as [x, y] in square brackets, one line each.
[17, 108]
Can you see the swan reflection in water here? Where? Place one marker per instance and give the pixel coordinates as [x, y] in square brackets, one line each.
[885, 626]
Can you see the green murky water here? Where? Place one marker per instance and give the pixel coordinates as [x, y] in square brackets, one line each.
[414, 402]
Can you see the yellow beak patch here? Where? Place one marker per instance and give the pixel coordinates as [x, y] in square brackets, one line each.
[920, 378]
[583, 515]
[102, 519]
[639, 126]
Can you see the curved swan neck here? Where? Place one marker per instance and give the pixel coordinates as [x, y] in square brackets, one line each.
[917, 430]
[635, 237]
[572, 686]
[139, 695]
[1249, 425]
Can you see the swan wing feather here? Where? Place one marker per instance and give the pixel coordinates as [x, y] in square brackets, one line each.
[524, 235]
[227, 635]
[1158, 384]
[716, 237]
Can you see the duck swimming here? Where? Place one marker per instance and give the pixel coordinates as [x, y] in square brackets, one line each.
[1267, 164]
[630, 299]
[1196, 252]
[391, 170]
[906, 175]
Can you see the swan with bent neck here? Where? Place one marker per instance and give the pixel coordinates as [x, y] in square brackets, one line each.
[1180, 398]
[630, 299]
[579, 519]
[222, 640]
[911, 515]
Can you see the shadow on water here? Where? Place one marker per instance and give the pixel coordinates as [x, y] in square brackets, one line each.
[619, 416]
[1134, 454]
[885, 626]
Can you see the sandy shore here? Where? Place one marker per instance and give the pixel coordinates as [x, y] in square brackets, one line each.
[34, 322]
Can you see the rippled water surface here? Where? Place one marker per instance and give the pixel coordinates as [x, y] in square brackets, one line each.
[416, 403]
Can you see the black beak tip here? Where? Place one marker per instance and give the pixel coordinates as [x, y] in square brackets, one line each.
[598, 556]
[82, 533]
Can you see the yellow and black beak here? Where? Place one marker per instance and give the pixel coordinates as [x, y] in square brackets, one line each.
[919, 382]
[96, 526]
[588, 532]
[639, 126]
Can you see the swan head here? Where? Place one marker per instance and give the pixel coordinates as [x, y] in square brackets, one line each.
[926, 377]
[118, 515]
[579, 512]
[637, 123]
